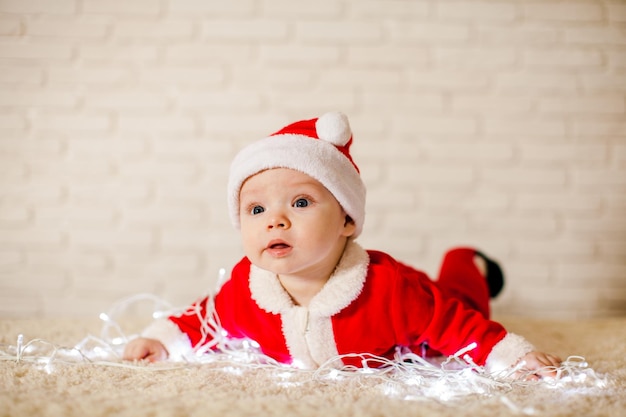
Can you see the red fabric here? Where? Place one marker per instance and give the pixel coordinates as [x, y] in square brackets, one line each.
[398, 306]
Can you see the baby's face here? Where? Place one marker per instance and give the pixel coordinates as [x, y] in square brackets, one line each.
[291, 224]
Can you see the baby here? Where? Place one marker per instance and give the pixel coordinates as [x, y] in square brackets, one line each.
[306, 292]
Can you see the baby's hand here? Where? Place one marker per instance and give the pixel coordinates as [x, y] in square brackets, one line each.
[144, 348]
[538, 361]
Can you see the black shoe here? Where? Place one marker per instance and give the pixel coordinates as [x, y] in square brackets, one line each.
[494, 276]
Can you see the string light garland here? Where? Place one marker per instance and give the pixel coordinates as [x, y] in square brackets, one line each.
[408, 376]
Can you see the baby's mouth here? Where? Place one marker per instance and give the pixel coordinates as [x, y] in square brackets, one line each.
[278, 248]
[278, 245]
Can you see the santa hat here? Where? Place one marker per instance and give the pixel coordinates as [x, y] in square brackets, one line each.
[319, 148]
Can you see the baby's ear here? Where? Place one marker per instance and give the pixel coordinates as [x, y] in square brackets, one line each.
[349, 226]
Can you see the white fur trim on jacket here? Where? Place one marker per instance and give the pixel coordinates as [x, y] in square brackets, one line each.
[308, 331]
[507, 353]
[175, 341]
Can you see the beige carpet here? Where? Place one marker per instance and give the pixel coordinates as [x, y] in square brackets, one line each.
[222, 389]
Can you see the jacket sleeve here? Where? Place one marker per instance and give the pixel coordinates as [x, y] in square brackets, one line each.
[448, 326]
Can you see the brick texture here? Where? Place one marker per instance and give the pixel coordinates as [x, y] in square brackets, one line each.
[498, 124]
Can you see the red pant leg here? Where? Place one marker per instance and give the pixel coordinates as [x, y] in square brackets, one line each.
[460, 278]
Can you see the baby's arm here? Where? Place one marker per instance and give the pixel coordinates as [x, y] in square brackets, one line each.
[145, 348]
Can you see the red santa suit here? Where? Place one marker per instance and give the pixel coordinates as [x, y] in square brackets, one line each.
[371, 304]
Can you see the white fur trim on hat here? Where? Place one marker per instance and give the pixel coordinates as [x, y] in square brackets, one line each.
[318, 158]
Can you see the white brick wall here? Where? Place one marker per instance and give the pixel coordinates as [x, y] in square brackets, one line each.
[500, 124]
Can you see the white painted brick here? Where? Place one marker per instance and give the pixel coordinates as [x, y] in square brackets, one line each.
[90, 28]
[316, 102]
[202, 54]
[74, 121]
[469, 153]
[10, 25]
[616, 10]
[183, 124]
[120, 239]
[448, 81]
[598, 177]
[454, 125]
[338, 32]
[389, 55]
[39, 6]
[13, 144]
[595, 35]
[530, 82]
[430, 175]
[90, 217]
[132, 192]
[492, 124]
[212, 8]
[135, 7]
[557, 11]
[428, 33]
[563, 250]
[389, 103]
[15, 75]
[483, 11]
[462, 202]
[161, 171]
[521, 127]
[124, 100]
[586, 274]
[184, 78]
[229, 101]
[12, 120]
[606, 227]
[557, 59]
[516, 36]
[40, 98]
[116, 53]
[233, 30]
[98, 75]
[92, 169]
[300, 55]
[370, 79]
[31, 237]
[10, 260]
[323, 9]
[524, 178]
[495, 105]
[14, 217]
[380, 197]
[13, 171]
[396, 9]
[182, 238]
[158, 30]
[605, 104]
[603, 83]
[599, 127]
[476, 58]
[166, 216]
[291, 78]
[35, 50]
[534, 225]
[564, 153]
[93, 146]
[19, 302]
[564, 202]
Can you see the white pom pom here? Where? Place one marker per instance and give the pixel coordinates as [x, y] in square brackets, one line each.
[334, 128]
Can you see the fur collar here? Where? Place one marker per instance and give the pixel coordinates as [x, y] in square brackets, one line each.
[343, 287]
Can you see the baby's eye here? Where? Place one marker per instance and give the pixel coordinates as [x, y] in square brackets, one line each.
[257, 210]
[301, 202]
